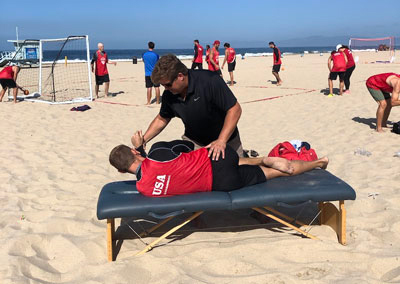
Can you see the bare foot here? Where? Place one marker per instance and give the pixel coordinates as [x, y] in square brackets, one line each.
[380, 130]
[323, 163]
[280, 164]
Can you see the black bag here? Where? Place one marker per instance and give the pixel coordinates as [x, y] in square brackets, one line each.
[396, 127]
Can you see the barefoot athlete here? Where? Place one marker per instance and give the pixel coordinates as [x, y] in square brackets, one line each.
[197, 61]
[100, 57]
[380, 86]
[339, 60]
[8, 79]
[230, 57]
[150, 59]
[277, 63]
[206, 105]
[173, 168]
[214, 58]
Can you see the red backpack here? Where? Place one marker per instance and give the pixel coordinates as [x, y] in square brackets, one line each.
[287, 151]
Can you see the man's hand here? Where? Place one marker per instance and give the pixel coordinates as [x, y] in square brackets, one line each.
[216, 148]
[222, 67]
[115, 63]
[138, 139]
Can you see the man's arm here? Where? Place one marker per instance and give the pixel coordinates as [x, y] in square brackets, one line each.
[155, 127]
[396, 92]
[195, 54]
[94, 59]
[329, 63]
[15, 75]
[225, 59]
[345, 57]
[211, 58]
[217, 147]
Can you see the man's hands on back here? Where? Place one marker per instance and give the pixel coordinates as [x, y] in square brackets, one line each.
[138, 139]
[216, 149]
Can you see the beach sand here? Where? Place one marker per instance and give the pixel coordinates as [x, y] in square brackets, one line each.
[54, 162]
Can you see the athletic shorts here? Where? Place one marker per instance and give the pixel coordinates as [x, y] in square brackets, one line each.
[334, 75]
[378, 95]
[231, 66]
[149, 83]
[276, 68]
[228, 175]
[102, 79]
[7, 83]
[218, 72]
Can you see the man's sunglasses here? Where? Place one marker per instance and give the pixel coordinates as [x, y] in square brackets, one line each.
[169, 85]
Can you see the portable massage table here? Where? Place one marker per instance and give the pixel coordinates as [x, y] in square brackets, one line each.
[121, 199]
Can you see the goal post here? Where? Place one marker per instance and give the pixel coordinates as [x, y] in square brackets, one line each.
[380, 50]
[64, 71]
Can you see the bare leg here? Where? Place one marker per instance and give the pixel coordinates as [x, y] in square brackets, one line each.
[387, 112]
[15, 93]
[380, 112]
[330, 84]
[278, 79]
[148, 96]
[96, 90]
[299, 167]
[157, 95]
[106, 87]
[231, 74]
[341, 86]
[276, 163]
[2, 92]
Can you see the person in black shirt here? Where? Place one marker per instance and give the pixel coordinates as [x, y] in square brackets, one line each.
[208, 109]
[277, 63]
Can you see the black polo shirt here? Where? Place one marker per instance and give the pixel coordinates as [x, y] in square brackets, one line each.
[204, 109]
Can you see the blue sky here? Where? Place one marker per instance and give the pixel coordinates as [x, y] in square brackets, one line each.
[174, 24]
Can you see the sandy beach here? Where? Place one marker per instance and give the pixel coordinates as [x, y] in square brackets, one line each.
[54, 162]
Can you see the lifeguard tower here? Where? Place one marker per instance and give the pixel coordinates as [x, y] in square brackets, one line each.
[26, 53]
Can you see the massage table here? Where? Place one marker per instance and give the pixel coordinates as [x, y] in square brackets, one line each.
[121, 199]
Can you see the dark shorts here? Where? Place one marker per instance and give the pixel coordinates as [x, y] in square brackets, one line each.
[102, 79]
[149, 83]
[197, 65]
[228, 175]
[231, 66]
[378, 95]
[276, 68]
[7, 83]
[218, 72]
[334, 75]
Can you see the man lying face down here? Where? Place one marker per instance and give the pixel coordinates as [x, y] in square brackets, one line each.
[173, 168]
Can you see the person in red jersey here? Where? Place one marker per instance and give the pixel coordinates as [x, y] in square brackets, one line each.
[208, 49]
[351, 65]
[173, 168]
[277, 62]
[214, 58]
[100, 58]
[339, 60]
[380, 86]
[197, 61]
[230, 57]
[8, 79]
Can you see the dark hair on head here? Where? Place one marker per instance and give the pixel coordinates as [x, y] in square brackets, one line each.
[121, 157]
[196, 40]
[168, 67]
[226, 44]
[151, 44]
[208, 46]
[271, 42]
[345, 46]
[333, 51]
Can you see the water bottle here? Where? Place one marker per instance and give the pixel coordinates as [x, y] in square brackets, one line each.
[362, 152]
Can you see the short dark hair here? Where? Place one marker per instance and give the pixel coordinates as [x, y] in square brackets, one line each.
[208, 46]
[168, 67]
[151, 44]
[122, 158]
[226, 44]
[196, 40]
[271, 42]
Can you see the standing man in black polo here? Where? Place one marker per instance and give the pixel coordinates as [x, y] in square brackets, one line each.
[206, 105]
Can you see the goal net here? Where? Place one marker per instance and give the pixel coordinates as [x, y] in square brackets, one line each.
[64, 70]
[371, 50]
